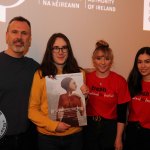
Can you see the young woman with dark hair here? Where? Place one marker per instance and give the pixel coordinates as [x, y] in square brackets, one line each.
[58, 59]
[138, 126]
[52, 64]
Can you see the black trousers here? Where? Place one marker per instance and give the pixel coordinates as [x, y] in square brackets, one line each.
[99, 134]
[136, 137]
[23, 141]
[68, 142]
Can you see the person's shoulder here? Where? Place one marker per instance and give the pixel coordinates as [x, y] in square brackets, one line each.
[117, 76]
[76, 95]
[31, 62]
[38, 77]
[63, 96]
[90, 73]
[2, 54]
[89, 70]
[38, 73]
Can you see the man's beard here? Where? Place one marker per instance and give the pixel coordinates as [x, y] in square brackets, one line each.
[18, 49]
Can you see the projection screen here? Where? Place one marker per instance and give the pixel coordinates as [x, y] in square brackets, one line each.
[124, 24]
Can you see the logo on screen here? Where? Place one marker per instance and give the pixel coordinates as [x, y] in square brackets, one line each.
[3, 9]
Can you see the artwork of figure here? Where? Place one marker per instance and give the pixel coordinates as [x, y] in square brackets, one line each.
[70, 105]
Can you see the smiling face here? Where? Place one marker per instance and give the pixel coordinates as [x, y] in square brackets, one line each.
[102, 63]
[18, 38]
[60, 53]
[143, 65]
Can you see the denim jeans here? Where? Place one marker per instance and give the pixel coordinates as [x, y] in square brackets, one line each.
[69, 142]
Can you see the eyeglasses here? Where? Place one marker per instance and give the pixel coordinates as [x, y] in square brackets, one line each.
[57, 49]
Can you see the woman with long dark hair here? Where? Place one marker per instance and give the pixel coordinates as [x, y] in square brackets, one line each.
[58, 59]
[138, 126]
